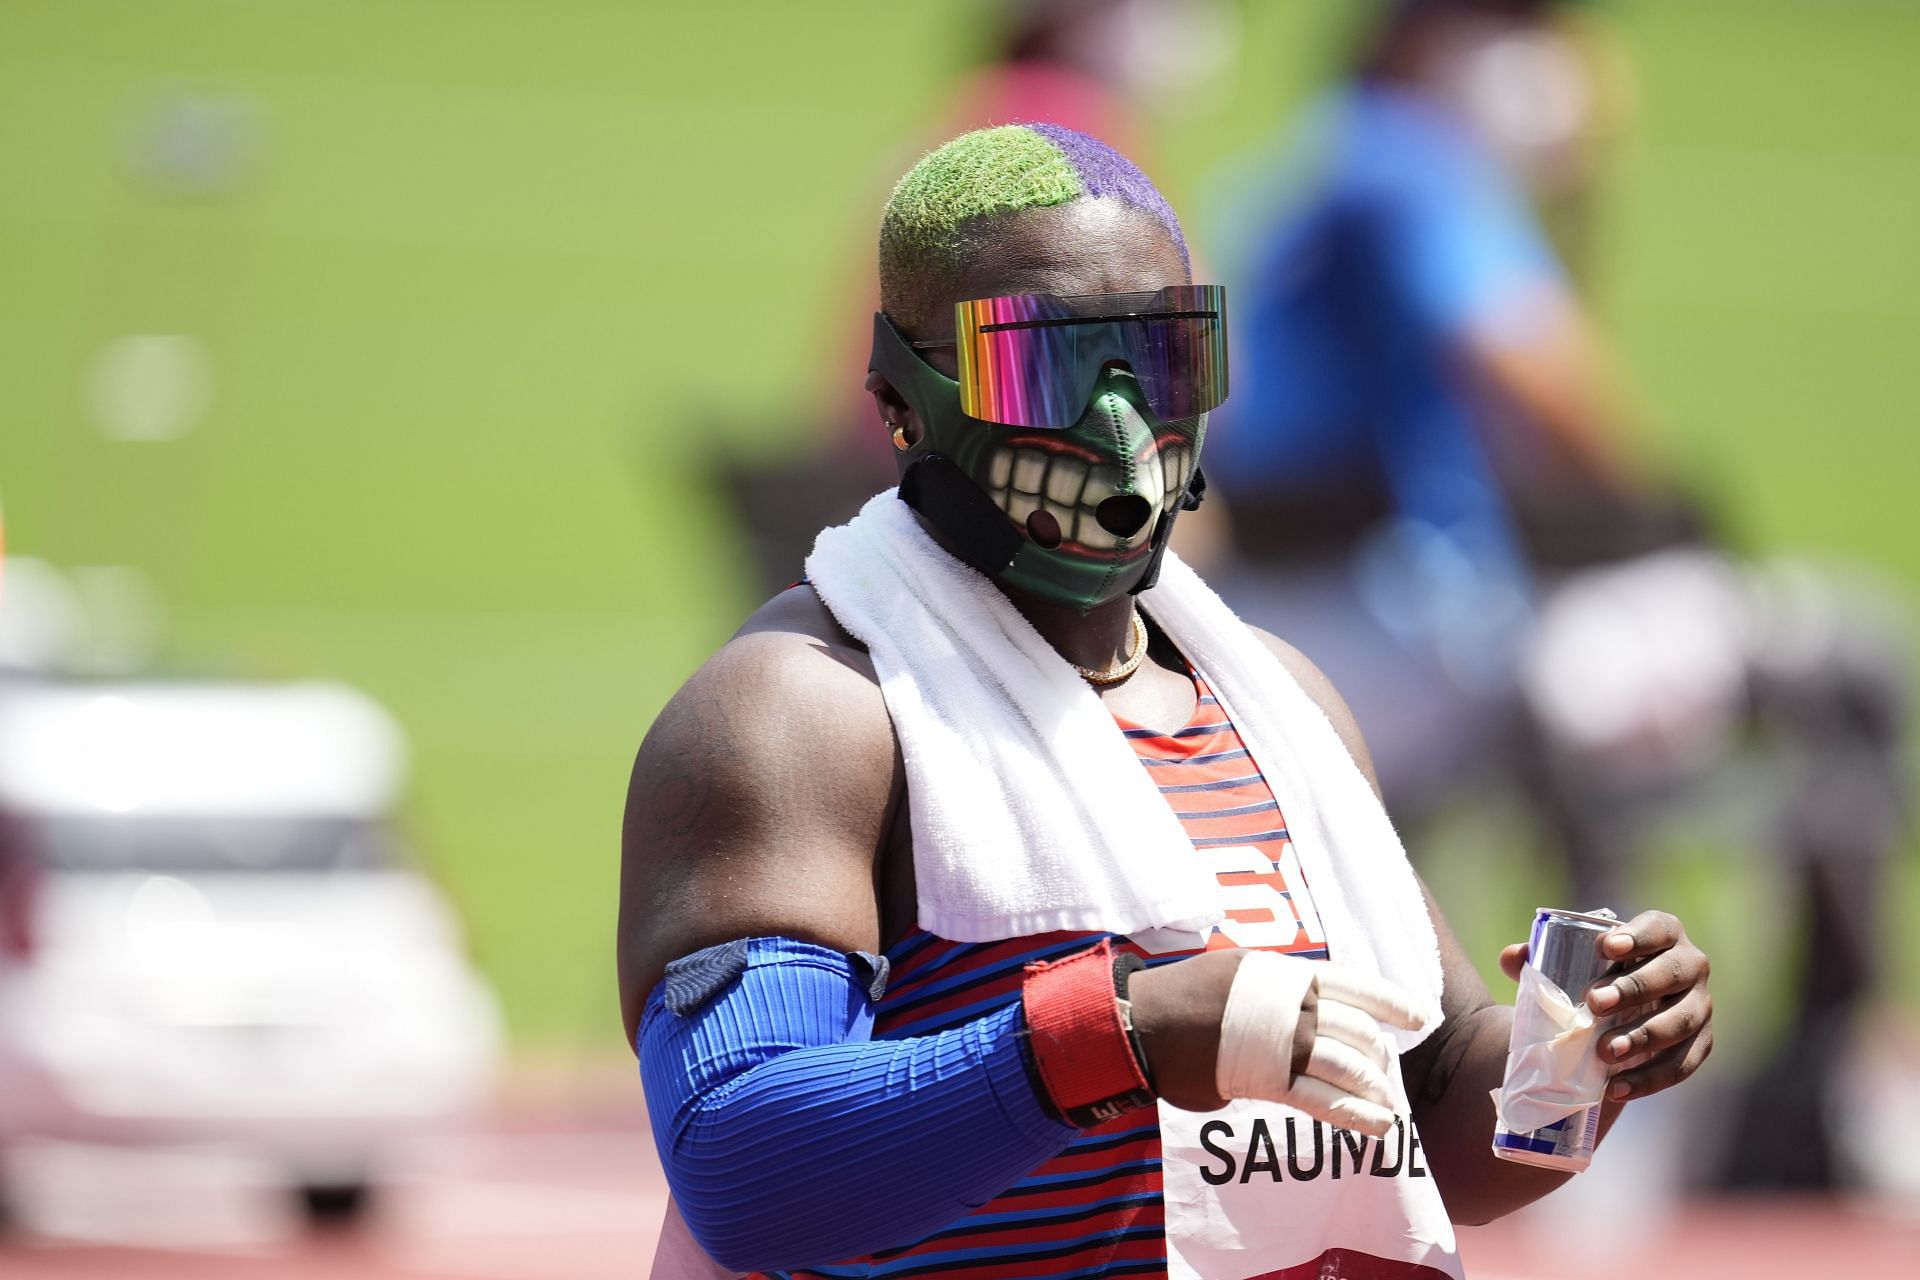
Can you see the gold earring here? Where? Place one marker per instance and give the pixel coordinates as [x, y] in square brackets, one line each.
[900, 437]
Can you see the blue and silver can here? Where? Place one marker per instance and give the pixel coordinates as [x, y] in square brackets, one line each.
[1565, 947]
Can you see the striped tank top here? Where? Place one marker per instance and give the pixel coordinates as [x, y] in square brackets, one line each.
[1095, 1209]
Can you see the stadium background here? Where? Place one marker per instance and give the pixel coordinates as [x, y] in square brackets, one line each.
[479, 286]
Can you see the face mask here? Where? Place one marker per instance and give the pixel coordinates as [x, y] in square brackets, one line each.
[1076, 515]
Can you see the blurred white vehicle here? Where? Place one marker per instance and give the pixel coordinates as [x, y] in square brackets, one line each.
[222, 940]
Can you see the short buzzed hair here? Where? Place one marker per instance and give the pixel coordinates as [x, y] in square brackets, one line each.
[933, 217]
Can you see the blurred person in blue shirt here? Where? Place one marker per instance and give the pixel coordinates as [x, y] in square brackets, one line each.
[1430, 494]
[1411, 342]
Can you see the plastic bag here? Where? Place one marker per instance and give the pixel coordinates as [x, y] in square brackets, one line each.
[1553, 1064]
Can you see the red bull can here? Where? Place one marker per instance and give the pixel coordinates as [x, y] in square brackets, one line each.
[1565, 947]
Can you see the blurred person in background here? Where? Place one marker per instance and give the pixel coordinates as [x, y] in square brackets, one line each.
[20, 883]
[1432, 493]
[19, 868]
[19, 877]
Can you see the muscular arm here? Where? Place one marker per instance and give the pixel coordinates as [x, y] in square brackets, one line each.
[1450, 1078]
[760, 808]
[760, 801]
[1451, 1074]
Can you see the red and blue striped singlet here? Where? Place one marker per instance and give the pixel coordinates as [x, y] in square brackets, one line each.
[1095, 1209]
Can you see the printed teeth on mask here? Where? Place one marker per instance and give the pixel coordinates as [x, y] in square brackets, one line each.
[1174, 463]
[1023, 481]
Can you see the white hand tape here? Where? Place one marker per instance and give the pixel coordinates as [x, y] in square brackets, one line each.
[1375, 997]
[1348, 1078]
[1256, 1030]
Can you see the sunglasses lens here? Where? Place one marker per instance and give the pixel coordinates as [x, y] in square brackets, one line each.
[1031, 361]
[1181, 361]
[1024, 376]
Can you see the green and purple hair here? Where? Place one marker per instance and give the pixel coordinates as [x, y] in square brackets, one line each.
[924, 231]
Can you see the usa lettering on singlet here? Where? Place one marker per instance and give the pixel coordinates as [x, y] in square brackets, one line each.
[1098, 1208]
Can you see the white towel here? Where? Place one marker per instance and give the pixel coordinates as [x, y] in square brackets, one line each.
[1369, 900]
[1030, 812]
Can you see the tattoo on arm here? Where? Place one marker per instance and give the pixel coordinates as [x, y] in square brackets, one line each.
[1432, 1069]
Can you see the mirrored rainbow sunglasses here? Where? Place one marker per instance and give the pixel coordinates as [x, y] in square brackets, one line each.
[1031, 359]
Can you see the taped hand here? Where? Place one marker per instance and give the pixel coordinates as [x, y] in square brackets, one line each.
[1346, 1077]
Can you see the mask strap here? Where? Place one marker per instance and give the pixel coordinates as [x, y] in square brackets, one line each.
[975, 528]
[1196, 491]
[961, 510]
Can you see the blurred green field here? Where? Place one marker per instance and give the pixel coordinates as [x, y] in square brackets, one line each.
[497, 274]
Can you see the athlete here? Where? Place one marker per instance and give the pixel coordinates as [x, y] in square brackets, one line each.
[838, 1089]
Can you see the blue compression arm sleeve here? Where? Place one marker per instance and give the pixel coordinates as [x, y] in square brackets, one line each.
[792, 1138]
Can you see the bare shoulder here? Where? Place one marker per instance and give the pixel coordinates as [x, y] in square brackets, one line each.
[1328, 698]
[799, 612]
[791, 656]
[787, 678]
[760, 798]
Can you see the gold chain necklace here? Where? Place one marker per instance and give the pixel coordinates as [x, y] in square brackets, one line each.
[1129, 665]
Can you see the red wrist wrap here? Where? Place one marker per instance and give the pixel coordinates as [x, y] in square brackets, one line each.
[1080, 1045]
